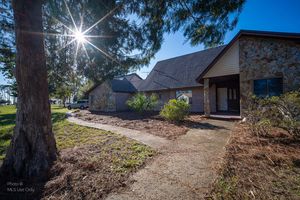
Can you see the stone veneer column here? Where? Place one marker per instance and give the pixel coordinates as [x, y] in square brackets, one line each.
[206, 98]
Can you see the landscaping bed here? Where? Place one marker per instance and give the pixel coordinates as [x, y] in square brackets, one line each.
[148, 122]
[259, 167]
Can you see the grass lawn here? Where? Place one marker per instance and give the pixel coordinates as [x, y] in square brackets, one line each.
[91, 162]
[7, 123]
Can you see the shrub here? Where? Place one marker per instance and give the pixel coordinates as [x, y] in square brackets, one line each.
[140, 102]
[175, 110]
[278, 111]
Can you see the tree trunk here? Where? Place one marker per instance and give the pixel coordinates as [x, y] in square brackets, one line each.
[33, 148]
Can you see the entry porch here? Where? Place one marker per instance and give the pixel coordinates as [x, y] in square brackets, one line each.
[222, 97]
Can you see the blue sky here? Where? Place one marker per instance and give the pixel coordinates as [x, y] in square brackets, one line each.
[266, 15]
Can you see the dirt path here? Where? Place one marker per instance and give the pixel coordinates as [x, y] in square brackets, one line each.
[184, 169]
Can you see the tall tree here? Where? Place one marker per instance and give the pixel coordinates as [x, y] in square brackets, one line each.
[33, 148]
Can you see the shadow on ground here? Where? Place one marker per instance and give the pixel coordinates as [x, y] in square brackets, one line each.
[57, 117]
[7, 119]
[14, 188]
[7, 123]
[202, 125]
[10, 119]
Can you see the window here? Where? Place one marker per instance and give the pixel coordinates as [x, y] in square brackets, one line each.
[185, 95]
[268, 87]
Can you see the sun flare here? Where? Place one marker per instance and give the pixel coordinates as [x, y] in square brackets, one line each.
[80, 37]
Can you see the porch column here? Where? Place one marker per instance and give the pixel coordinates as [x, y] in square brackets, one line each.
[206, 98]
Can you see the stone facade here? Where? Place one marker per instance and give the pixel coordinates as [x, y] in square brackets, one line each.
[102, 98]
[268, 58]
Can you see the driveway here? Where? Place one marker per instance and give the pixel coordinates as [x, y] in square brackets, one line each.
[184, 169]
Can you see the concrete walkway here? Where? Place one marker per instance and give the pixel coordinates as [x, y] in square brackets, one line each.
[153, 141]
[185, 168]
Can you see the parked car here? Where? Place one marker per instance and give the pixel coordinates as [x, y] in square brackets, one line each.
[82, 104]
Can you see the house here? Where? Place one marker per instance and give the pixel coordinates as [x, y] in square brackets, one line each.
[172, 77]
[221, 80]
[112, 95]
[218, 80]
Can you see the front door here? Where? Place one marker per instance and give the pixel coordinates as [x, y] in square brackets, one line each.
[222, 104]
[227, 94]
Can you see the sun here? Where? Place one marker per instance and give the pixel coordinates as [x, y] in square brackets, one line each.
[79, 36]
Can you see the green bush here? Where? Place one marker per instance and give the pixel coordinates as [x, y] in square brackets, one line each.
[140, 102]
[278, 111]
[175, 110]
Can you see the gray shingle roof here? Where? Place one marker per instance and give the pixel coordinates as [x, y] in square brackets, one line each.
[122, 86]
[179, 72]
[134, 79]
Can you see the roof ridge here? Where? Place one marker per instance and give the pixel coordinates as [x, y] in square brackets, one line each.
[193, 53]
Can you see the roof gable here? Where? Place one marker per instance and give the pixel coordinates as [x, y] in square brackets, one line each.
[228, 64]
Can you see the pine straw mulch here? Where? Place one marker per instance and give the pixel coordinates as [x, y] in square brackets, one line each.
[92, 171]
[149, 122]
[257, 167]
